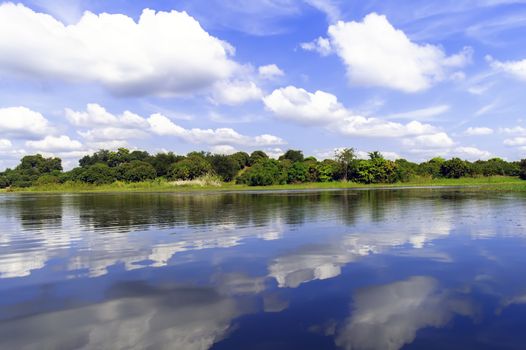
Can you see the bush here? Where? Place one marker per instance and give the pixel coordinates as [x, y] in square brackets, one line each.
[263, 173]
[47, 179]
[225, 167]
[293, 155]
[256, 156]
[328, 170]
[455, 168]
[98, 174]
[4, 182]
[136, 171]
[297, 173]
[190, 168]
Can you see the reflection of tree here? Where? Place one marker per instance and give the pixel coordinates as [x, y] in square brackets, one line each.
[388, 316]
[39, 212]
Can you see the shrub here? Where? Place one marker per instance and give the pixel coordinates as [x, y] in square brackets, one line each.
[225, 167]
[455, 168]
[190, 168]
[136, 171]
[263, 173]
[98, 174]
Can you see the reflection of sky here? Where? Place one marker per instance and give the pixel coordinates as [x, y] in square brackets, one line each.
[388, 316]
[50, 256]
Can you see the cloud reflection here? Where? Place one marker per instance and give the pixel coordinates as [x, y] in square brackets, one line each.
[388, 316]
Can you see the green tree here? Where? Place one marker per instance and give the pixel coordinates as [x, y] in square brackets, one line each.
[256, 156]
[405, 170]
[346, 158]
[328, 170]
[226, 167]
[431, 168]
[136, 171]
[455, 168]
[297, 173]
[263, 173]
[162, 162]
[293, 155]
[190, 168]
[98, 174]
[242, 158]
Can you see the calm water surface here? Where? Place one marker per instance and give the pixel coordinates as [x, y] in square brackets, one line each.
[393, 269]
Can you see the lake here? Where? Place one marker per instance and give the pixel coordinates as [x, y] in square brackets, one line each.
[346, 269]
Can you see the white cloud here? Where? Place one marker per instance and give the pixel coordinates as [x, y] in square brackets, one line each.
[478, 131]
[471, 153]
[320, 45]
[96, 115]
[23, 122]
[111, 134]
[163, 53]
[515, 130]
[374, 127]
[431, 141]
[163, 126]
[299, 105]
[514, 68]
[223, 149]
[270, 71]
[516, 141]
[55, 144]
[235, 92]
[5, 144]
[377, 54]
[421, 114]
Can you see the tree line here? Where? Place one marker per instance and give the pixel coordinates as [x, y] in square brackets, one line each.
[255, 169]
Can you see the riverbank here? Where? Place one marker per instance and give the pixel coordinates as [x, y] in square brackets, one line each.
[495, 183]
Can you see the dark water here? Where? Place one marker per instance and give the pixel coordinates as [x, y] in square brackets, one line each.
[412, 269]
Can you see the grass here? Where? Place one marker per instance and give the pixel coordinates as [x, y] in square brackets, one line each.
[495, 183]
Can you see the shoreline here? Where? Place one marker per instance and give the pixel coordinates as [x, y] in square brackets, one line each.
[504, 184]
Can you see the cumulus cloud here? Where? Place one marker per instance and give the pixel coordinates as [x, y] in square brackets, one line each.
[377, 54]
[96, 115]
[112, 134]
[298, 105]
[22, 122]
[223, 149]
[55, 144]
[432, 141]
[513, 68]
[235, 92]
[471, 153]
[516, 141]
[270, 71]
[320, 45]
[162, 53]
[162, 125]
[109, 127]
[478, 131]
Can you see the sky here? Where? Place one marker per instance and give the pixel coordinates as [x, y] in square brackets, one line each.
[411, 79]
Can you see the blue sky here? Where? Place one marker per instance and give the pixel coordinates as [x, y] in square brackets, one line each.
[412, 79]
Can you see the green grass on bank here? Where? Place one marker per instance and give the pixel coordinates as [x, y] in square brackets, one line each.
[495, 183]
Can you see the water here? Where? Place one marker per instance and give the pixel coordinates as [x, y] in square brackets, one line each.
[412, 269]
